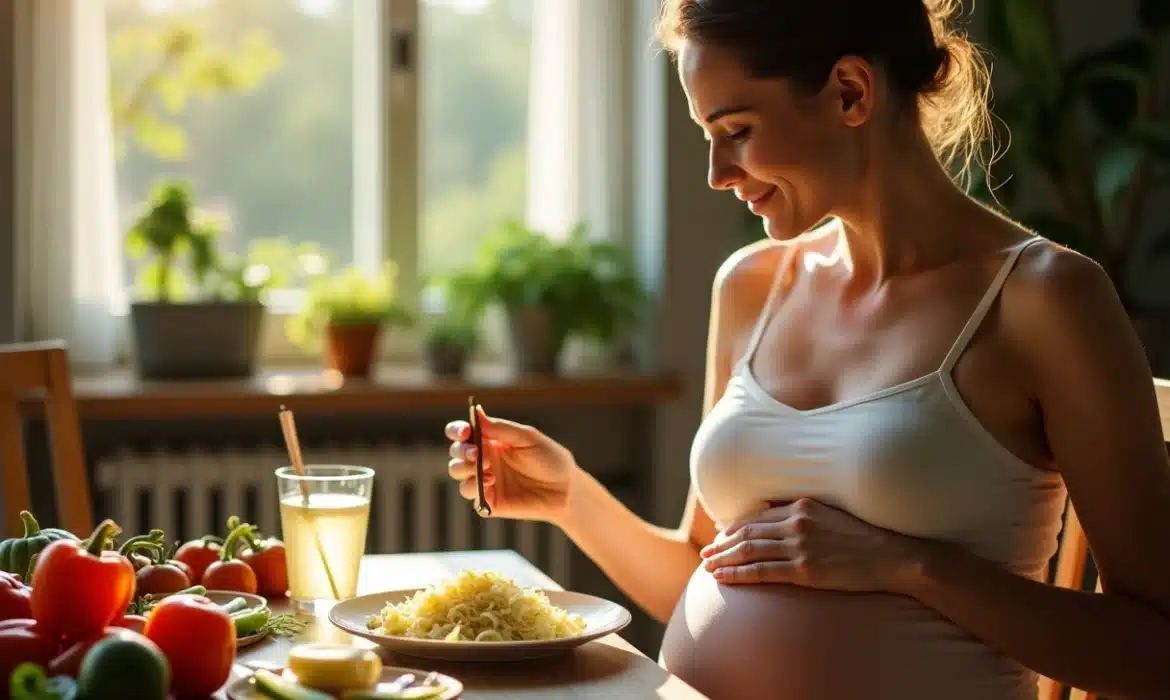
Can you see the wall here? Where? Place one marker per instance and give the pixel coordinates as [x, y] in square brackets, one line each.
[8, 291]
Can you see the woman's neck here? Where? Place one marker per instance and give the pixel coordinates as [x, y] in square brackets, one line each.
[906, 216]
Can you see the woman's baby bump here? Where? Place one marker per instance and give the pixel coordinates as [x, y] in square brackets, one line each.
[795, 643]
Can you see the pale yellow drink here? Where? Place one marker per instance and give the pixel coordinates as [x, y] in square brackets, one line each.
[333, 521]
[340, 520]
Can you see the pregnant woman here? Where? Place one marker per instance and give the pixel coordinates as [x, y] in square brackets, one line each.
[903, 390]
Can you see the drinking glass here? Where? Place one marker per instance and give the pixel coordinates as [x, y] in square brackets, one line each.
[324, 516]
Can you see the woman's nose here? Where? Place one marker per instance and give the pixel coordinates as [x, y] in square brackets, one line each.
[722, 172]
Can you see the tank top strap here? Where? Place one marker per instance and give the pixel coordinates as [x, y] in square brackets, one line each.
[984, 306]
[769, 303]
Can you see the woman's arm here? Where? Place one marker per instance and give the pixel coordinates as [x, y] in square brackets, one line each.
[651, 564]
[1094, 389]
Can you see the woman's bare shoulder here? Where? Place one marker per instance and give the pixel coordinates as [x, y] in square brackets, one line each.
[754, 267]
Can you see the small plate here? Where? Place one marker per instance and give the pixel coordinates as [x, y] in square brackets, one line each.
[242, 642]
[602, 617]
[254, 601]
[242, 688]
[225, 597]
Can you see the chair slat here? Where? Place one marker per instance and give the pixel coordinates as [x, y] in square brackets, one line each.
[42, 368]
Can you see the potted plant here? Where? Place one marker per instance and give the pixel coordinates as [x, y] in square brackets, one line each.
[450, 342]
[551, 290]
[348, 311]
[198, 313]
[1089, 143]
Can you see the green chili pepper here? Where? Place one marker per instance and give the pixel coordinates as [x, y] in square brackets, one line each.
[28, 682]
[251, 622]
[235, 605]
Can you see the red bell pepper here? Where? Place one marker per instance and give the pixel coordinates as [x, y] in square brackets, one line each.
[79, 589]
[22, 641]
[14, 598]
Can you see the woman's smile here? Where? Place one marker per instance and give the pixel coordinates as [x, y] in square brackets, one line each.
[758, 202]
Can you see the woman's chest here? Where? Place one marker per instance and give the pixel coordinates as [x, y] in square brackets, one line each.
[906, 458]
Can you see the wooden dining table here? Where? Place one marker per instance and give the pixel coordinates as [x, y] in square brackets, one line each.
[606, 668]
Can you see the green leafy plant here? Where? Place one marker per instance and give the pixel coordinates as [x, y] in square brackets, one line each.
[1091, 131]
[590, 286]
[350, 297]
[180, 64]
[179, 247]
[452, 329]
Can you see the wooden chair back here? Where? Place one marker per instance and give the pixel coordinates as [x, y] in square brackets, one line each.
[42, 368]
[1072, 560]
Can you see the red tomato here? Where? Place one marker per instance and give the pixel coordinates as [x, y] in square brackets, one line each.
[232, 575]
[68, 662]
[181, 566]
[23, 641]
[15, 598]
[267, 558]
[136, 623]
[198, 639]
[198, 555]
[161, 579]
[229, 573]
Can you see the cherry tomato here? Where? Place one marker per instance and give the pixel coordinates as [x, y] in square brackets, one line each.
[267, 559]
[198, 555]
[232, 575]
[161, 579]
[199, 640]
[182, 566]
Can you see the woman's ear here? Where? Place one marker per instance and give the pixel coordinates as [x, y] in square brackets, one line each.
[852, 82]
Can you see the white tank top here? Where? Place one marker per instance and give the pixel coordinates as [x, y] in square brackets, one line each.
[911, 458]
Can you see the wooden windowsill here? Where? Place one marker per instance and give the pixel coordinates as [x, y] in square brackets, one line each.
[119, 395]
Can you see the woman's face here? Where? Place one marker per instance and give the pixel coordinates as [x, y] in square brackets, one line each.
[787, 154]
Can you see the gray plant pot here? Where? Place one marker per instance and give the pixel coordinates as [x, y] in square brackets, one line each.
[203, 340]
[534, 344]
[446, 359]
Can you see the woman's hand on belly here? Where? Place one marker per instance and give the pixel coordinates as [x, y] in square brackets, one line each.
[811, 544]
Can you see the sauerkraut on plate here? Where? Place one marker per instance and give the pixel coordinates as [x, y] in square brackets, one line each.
[477, 606]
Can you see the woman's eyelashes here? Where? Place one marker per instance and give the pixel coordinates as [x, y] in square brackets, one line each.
[740, 135]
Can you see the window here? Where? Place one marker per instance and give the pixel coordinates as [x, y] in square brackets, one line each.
[405, 128]
[251, 101]
[476, 62]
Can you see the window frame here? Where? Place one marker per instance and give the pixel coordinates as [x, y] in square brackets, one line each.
[388, 189]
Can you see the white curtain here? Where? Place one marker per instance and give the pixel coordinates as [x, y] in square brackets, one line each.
[66, 219]
[575, 99]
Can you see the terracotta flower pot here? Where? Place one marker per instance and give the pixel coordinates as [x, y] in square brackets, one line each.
[351, 348]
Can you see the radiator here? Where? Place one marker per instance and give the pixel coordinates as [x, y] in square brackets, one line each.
[415, 506]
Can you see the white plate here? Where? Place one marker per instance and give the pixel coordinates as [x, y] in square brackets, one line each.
[601, 617]
[242, 688]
